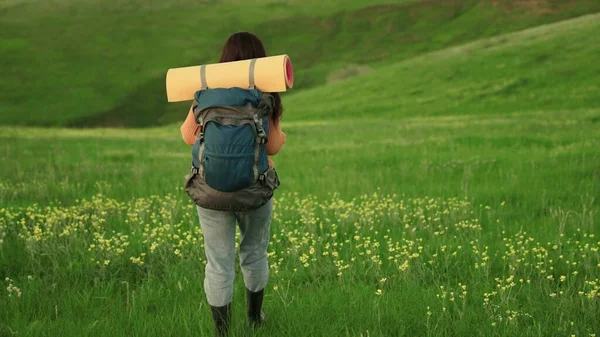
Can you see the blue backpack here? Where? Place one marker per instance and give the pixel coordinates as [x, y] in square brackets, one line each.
[230, 169]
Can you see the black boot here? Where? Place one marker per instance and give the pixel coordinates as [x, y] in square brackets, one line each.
[255, 314]
[222, 318]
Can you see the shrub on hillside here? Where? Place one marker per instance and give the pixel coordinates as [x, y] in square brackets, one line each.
[347, 72]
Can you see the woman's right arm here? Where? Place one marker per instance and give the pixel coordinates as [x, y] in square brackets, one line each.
[189, 129]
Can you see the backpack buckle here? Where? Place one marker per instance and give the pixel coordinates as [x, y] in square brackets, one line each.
[259, 126]
[195, 170]
[262, 178]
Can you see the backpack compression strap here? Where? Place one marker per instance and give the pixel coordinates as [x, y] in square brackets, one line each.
[264, 109]
[261, 139]
[200, 137]
[200, 169]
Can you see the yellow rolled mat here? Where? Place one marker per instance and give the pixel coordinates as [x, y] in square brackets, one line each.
[268, 74]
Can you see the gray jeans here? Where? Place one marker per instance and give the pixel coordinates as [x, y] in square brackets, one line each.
[218, 228]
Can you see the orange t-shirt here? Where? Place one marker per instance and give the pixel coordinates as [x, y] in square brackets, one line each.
[276, 138]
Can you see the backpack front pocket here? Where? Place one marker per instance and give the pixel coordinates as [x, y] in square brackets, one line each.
[228, 158]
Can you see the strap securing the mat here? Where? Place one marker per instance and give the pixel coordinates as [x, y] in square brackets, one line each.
[251, 77]
[203, 77]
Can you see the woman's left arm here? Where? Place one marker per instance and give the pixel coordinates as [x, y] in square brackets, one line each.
[276, 138]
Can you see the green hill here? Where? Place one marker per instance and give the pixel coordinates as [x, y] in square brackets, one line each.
[552, 67]
[68, 63]
[533, 90]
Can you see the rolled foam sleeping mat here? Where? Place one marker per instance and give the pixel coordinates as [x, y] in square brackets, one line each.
[267, 74]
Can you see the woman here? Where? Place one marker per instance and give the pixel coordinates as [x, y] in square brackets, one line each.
[218, 227]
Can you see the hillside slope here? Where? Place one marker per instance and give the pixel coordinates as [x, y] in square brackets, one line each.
[482, 113]
[552, 67]
[88, 64]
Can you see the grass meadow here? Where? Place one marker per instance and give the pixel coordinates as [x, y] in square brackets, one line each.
[452, 192]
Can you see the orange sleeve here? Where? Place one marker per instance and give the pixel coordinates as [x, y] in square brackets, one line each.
[276, 138]
[189, 129]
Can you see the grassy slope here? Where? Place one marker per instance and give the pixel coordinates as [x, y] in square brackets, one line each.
[93, 64]
[79, 59]
[551, 67]
[438, 140]
[384, 136]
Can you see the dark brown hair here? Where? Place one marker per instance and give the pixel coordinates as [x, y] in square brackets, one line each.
[245, 46]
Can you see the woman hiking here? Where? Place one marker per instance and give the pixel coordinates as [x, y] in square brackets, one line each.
[222, 195]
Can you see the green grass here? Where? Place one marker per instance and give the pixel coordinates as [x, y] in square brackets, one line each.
[491, 151]
[70, 63]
